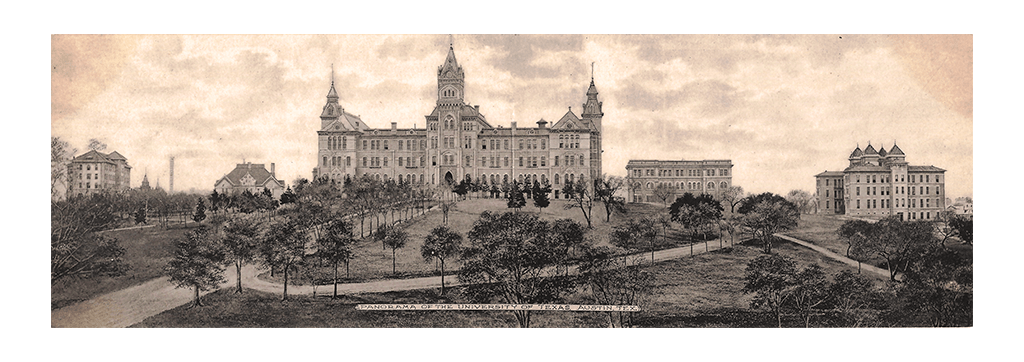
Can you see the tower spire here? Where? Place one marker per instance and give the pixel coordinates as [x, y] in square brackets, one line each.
[451, 41]
[591, 72]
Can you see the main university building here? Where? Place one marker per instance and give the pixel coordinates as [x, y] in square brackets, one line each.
[459, 143]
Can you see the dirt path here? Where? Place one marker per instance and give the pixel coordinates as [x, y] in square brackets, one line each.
[864, 267]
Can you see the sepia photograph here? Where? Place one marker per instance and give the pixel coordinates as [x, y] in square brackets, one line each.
[511, 181]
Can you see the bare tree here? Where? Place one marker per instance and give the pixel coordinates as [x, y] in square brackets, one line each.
[605, 190]
[664, 192]
[802, 199]
[61, 153]
[732, 196]
[96, 145]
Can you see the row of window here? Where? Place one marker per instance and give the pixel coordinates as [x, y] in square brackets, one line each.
[900, 178]
[886, 203]
[902, 190]
[693, 185]
[681, 172]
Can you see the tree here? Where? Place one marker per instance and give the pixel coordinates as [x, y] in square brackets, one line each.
[515, 199]
[770, 278]
[393, 238]
[697, 214]
[509, 258]
[76, 249]
[198, 262]
[96, 145]
[200, 213]
[446, 207]
[611, 283]
[61, 153]
[283, 246]
[964, 226]
[335, 247]
[898, 242]
[848, 293]
[937, 291]
[810, 290]
[579, 198]
[442, 243]
[766, 214]
[605, 189]
[664, 192]
[732, 195]
[140, 216]
[634, 233]
[241, 238]
[540, 195]
[856, 233]
[802, 199]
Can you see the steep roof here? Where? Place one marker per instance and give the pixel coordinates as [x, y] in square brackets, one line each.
[857, 153]
[96, 156]
[255, 170]
[870, 150]
[895, 150]
[881, 151]
[569, 120]
[866, 168]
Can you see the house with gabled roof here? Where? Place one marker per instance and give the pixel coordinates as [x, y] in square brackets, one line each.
[95, 171]
[253, 177]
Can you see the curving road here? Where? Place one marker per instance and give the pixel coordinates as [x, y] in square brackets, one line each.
[132, 305]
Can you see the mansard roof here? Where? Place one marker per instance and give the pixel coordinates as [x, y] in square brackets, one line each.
[96, 156]
[913, 168]
[866, 167]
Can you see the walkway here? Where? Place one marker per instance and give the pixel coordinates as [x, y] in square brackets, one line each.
[864, 267]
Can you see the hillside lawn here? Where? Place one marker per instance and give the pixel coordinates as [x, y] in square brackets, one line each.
[147, 251]
[373, 262]
[699, 291]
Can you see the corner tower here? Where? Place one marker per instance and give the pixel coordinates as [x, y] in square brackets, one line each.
[592, 115]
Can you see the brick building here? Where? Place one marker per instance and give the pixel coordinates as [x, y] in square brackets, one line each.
[95, 171]
[696, 177]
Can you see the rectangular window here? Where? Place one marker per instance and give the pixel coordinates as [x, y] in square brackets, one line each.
[399, 161]
[399, 145]
[520, 161]
[858, 204]
[858, 190]
[506, 161]
[556, 164]
[543, 161]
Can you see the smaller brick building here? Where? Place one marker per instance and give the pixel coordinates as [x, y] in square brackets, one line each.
[252, 177]
[95, 171]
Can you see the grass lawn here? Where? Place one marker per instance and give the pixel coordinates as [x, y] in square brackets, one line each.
[147, 251]
[703, 291]
[372, 262]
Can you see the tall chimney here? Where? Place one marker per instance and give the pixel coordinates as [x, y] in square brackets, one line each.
[172, 176]
[394, 126]
[272, 170]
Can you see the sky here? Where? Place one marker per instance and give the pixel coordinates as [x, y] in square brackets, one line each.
[782, 108]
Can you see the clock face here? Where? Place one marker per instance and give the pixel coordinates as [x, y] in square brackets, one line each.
[448, 74]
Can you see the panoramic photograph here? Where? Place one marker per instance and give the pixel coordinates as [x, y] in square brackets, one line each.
[511, 181]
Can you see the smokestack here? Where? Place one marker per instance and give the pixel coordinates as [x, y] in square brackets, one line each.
[172, 176]
[272, 170]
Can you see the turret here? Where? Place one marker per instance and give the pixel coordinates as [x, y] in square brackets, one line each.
[451, 81]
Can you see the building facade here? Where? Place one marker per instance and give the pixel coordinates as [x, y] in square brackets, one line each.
[881, 183]
[94, 171]
[696, 177]
[459, 143]
[251, 177]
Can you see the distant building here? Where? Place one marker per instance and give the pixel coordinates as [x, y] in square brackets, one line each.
[459, 143]
[878, 184]
[145, 183]
[963, 206]
[252, 177]
[696, 177]
[95, 171]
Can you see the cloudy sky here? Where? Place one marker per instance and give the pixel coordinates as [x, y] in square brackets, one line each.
[782, 108]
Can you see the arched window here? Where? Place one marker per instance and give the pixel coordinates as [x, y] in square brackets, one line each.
[348, 161]
[325, 161]
[711, 185]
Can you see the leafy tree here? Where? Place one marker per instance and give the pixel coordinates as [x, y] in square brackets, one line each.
[198, 262]
[696, 214]
[515, 199]
[540, 195]
[200, 213]
[766, 214]
[568, 237]
[605, 189]
[937, 291]
[634, 234]
[770, 278]
[664, 192]
[848, 293]
[509, 258]
[283, 246]
[732, 196]
[810, 290]
[241, 239]
[964, 226]
[580, 198]
[76, 250]
[898, 242]
[802, 199]
[335, 246]
[856, 233]
[140, 216]
[442, 243]
[288, 196]
[612, 283]
[393, 238]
